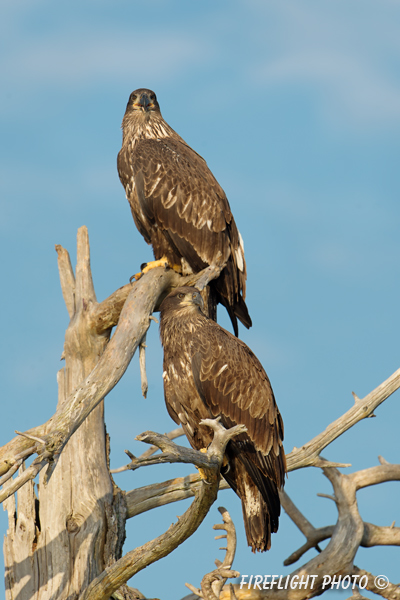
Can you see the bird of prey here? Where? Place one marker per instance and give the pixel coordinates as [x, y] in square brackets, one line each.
[209, 373]
[178, 205]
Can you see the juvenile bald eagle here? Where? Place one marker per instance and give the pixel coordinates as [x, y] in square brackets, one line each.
[178, 205]
[210, 373]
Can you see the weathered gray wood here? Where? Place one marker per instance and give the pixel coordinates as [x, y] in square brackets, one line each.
[133, 323]
[308, 455]
[134, 561]
[21, 565]
[61, 559]
[82, 515]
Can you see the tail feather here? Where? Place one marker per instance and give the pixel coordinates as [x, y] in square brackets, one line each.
[256, 520]
[260, 502]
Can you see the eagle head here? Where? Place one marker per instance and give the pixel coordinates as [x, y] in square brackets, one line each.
[182, 297]
[143, 100]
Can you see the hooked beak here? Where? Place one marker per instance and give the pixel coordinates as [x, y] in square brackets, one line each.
[144, 102]
[198, 300]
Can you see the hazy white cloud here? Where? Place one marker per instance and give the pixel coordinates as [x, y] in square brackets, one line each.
[345, 54]
[74, 58]
[347, 57]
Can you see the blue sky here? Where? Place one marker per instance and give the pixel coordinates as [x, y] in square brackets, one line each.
[296, 108]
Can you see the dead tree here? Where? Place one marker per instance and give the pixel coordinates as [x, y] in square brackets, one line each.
[65, 541]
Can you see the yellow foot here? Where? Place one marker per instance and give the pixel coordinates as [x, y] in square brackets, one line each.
[162, 262]
[201, 471]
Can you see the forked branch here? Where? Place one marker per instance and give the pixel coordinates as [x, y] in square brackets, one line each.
[138, 301]
[212, 583]
[114, 576]
[308, 455]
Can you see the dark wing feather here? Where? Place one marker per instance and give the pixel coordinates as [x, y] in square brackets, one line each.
[178, 193]
[182, 211]
[232, 382]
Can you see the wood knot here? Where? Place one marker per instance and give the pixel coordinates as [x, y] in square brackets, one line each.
[72, 525]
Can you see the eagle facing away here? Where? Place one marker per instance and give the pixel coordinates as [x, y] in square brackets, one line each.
[178, 205]
[209, 373]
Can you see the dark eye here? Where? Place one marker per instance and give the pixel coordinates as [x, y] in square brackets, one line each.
[194, 295]
[152, 97]
[133, 97]
[181, 295]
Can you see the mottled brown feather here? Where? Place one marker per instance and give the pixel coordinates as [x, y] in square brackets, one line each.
[209, 373]
[178, 205]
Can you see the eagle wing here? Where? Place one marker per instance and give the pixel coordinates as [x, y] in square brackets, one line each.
[233, 384]
[177, 193]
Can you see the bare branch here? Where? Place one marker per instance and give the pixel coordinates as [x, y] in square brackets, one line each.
[84, 288]
[379, 586]
[375, 475]
[171, 453]
[372, 535]
[314, 536]
[133, 323]
[308, 454]
[11, 472]
[143, 299]
[375, 535]
[172, 435]
[338, 555]
[67, 279]
[106, 314]
[34, 438]
[117, 574]
[142, 364]
[146, 498]
[214, 582]
[25, 476]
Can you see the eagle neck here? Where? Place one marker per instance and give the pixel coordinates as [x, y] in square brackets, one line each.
[180, 325]
[138, 126]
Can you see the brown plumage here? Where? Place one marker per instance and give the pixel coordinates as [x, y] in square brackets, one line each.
[209, 373]
[178, 205]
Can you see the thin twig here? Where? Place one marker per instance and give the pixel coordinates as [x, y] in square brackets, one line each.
[29, 436]
[11, 472]
[172, 435]
[142, 365]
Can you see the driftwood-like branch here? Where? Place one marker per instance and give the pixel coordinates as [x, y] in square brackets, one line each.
[117, 574]
[107, 313]
[159, 494]
[378, 585]
[308, 454]
[143, 298]
[181, 488]
[171, 453]
[345, 538]
[172, 435]
[212, 583]
[373, 535]
[142, 365]
[67, 279]
[314, 536]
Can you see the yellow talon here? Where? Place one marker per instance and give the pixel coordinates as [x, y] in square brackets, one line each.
[162, 262]
[201, 471]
